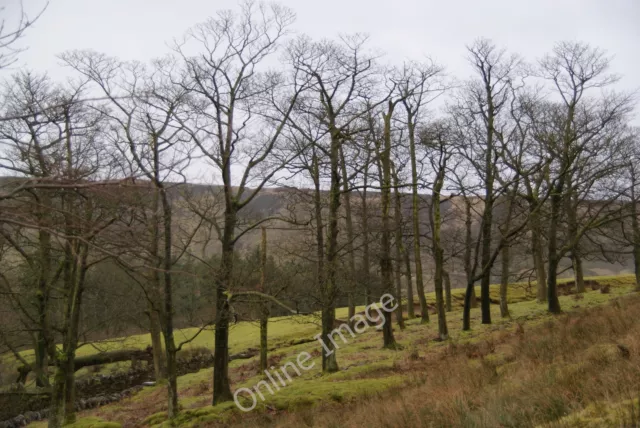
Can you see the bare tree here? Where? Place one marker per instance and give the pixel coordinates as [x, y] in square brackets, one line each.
[340, 76]
[31, 139]
[576, 128]
[236, 116]
[143, 106]
[483, 102]
[386, 267]
[419, 85]
[58, 146]
[10, 33]
[440, 151]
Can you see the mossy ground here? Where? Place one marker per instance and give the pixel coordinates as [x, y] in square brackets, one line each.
[88, 422]
[625, 413]
[368, 371]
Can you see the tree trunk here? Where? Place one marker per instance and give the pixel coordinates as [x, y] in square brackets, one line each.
[154, 300]
[485, 282]
[45, 348]
[504, 281]
[40, 367]
[349, 245]
[571, 205]
[438, 255]
[56, 411]
[74, 269]
[578, 271]
[552, 292]
[489, 171]
[505, 254]
[473, 300]
[466, 312]
[172, 374]
[330, 289]
[447, 290]
[407, 263]
[386, 268]
[74, 325]
[399, 250]
[365, 235]
[62, 410]
[636, 229]
[487, 216]
[415, 205]
[537, 252]
[221, 385]
[398, 293]
[156, 342]
[636, 250]
[264, 313]
[329, 358]
[169, 341]
[557, 195]
[264, 323]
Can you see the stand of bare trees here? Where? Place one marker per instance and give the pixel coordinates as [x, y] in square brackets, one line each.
[525, 164]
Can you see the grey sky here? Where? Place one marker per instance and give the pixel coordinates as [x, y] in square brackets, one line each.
[140, 29]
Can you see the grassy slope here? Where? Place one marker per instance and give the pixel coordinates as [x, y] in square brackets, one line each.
[367, 371]
[246, 335]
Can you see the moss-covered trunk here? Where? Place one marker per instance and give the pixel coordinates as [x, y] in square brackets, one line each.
[399, 249]
[167, 327]
[351, 257]
[264, 311]
[62, 410]
[468, 222]
[221, 384]
[504, 281]
[155, 330]
[635, 224]
[386, 267]
[505, 255]
[407, 265]
[154, 301]
[571, 207]
[447, 290]
[45, 346]
[552, 292]
[537, 252]
[438, 252]
[330, 289]
[487, 214]
[366, 268]
[415, 207]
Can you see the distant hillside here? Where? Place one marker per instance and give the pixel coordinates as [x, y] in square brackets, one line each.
[290, 203]
[286, 239]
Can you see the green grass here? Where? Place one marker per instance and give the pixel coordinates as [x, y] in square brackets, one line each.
[89, 422]
[365, 367]
[246, 335]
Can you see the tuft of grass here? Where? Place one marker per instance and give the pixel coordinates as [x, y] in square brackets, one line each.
[625, 413]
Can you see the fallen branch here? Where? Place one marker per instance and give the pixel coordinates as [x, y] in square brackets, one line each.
[97, 359]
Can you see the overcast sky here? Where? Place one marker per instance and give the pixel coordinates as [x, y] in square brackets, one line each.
[402, 29]
[140, 29]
